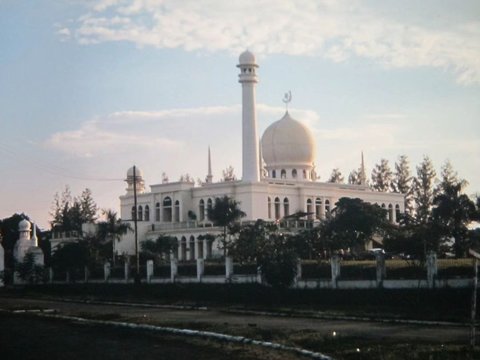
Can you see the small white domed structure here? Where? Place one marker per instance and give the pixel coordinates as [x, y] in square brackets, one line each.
[288, 149]
[24, 226]
[138, 172]
[247, 58]
[139, 181]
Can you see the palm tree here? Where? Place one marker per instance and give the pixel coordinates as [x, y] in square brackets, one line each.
[225, 212]
[111, 229]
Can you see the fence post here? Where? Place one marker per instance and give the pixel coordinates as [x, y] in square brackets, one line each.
[200, 269]
[106, 271]
[173, 269]
[381, 269]
[335, 264]
[149, 271]
[298, 273]
[50, 275]
[126, 269]
[2, 263]
[228, 268]
[431, 269]
[86, 273]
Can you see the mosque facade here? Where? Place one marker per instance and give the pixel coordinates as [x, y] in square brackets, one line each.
[278, 180]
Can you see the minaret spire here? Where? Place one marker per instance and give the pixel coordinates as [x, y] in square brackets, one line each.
[209, 178]
[34, 236]
[248, 79]
[363, 175]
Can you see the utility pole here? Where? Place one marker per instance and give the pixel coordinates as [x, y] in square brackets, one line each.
[137, 260]
[474, 297]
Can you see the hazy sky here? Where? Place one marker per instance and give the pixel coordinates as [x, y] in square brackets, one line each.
[89, 88]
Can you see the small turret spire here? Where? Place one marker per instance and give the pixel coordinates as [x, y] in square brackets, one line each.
[209, 178]
[34, 236]
[363, 175]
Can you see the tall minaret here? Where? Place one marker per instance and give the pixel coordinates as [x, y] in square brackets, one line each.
[250, 155]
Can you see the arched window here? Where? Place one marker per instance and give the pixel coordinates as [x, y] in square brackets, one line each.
[177, 211]
[157, 211]
[201, 210]
[309, 209]
[269, 207]
[390, 212]
[140, 213]
[167, 209]
[147, 213]
[318, 208]
[191, 248]
[286, 208]
[274, 174]
[134, 213]
[277, 208]
[327, 206]
[294, 173]
[304, 173]
[283, 174]
[183, 248]
[397, 212]
[199, 248]
[209, 205]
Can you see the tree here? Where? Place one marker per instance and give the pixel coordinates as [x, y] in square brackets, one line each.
[274, 252]
[69, 213]
[452, 212]
[224, 213]
[160, 248]
[448, 178]
[88, 207]
[30, 271]
[336, 177]
[382, 176]
[423, 192]
[72, 256]
[111, 230]
[402, 182]
[353, 223]
[354, 178]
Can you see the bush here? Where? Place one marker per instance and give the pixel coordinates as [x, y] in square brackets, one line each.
[214, 269]
[316, 270]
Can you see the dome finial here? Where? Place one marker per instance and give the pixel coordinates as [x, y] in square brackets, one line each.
[287, 98]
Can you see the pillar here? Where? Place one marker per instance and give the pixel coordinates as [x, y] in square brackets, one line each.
[228, 268]
[200, 269]
[298, 275]
[126, 269]
[149, 271]
[2, 264]
[381, 269]
[173, 269]
[106, 271]
[335, 265]
[431, 269]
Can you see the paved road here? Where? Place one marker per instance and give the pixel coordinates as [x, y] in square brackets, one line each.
[210, 318]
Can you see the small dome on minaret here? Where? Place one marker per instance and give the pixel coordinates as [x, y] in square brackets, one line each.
[247, 58]
[24, 225]
[137, 179]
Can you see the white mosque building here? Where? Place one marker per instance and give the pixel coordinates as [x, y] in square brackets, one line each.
[278, 179]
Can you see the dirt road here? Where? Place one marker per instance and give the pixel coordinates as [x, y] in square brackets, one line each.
[241, 324]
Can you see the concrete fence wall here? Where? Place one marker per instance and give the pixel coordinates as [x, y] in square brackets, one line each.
[335, 282]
